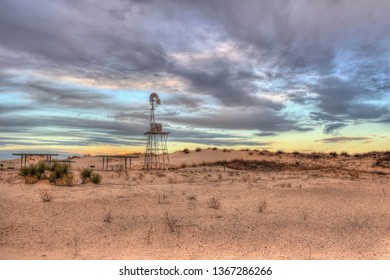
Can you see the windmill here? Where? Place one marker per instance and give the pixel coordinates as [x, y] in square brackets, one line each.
[156, 156]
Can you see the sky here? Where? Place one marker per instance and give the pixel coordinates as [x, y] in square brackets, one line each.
[75, 75]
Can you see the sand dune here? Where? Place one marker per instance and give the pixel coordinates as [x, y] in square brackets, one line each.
[301, 207]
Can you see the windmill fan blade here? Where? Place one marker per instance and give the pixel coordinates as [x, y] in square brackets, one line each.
[154, 98]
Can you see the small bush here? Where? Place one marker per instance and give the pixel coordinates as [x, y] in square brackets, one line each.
[33, 173]
[214, 148]
[60, 174]
[214, 203]
[24, 171]
[333, 154]
[296, 153]
[186, 151]
[198, 149]
[96, 178]
[344, 154]
[88, 175]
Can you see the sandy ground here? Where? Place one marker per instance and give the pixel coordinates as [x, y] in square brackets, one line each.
[315, 208]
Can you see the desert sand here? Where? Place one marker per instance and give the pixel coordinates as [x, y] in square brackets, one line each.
[271, 206]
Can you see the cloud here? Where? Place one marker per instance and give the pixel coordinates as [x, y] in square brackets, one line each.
[244, 119]
[266, 134]
[333, 128]
[218, 66]
[343, 139]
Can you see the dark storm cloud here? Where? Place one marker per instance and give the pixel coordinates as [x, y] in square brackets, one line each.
[45, 94]
[333, 128]
[244, 119]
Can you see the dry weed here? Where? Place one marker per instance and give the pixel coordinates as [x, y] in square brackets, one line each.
[46, 195]
[214, 203]
[171, 222]
[107, 218]
[192, 197]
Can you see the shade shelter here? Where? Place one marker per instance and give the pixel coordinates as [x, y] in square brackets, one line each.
[105, 159]
[24, 156]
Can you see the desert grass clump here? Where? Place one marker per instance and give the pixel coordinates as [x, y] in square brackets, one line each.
[333, 154]
[214, 148]
[31, 173]
[186, 151]
[96, 178]
[214, 203]
[45, 195]
[198, 149]
[61, 175]
[88, 175]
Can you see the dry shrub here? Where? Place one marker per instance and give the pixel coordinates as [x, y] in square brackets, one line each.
[107, 218]
[214, 203]
[192, 197]
[171, 222]
[186, 151]
[383, 162]
[198, 149]
[46, 195]
[262, 206]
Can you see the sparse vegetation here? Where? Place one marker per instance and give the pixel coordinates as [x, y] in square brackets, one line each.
[88, 175]
[61, 175]
[46, 195]
[333, 154]
[214, 203]
[198, 149]
[186, 151]
[33, 172]
[215, 148]
[383, 162]
[96, 178]
[344, 154]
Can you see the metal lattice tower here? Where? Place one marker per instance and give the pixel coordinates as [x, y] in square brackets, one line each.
[156, 156]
